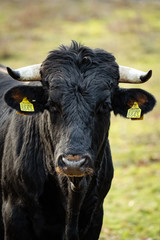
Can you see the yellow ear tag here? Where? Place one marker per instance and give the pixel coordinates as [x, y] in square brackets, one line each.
[26, 106]
[134, 112]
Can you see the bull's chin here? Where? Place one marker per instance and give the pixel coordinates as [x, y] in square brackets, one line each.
[75, 173]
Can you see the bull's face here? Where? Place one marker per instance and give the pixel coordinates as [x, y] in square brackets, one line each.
[79, 89]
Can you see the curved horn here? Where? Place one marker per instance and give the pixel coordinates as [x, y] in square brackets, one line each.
[29, 73]
[131, 75]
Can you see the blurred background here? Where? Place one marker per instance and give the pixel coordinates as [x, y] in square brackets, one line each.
[130, 30]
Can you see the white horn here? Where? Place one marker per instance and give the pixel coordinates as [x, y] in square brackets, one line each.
[26, 74]
[131, 75]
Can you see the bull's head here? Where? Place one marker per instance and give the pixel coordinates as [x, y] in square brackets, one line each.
[79, 90]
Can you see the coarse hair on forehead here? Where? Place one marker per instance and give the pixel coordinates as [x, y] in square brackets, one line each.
[78, 54]
[75, 60]
[80, 49]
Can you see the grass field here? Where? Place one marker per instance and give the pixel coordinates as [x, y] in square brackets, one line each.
[131, 31]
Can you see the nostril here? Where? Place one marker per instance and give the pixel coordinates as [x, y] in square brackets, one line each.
[61, 164]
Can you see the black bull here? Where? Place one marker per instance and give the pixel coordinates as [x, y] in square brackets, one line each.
[56, 165]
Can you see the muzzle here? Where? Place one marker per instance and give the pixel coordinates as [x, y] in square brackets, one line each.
[74, 165]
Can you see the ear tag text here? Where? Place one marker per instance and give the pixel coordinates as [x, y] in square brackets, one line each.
[134, 112]
[26, 106]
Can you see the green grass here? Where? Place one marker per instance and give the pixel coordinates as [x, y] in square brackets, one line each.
[131, 31]
[132, 207]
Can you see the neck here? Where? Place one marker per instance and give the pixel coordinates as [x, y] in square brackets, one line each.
[76, 193]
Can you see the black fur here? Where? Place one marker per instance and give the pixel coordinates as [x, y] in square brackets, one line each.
[79, 88]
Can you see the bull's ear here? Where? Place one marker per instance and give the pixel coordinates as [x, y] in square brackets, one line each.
[26, 99]
[124, 99]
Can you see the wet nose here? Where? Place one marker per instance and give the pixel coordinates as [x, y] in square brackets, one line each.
[74, 165]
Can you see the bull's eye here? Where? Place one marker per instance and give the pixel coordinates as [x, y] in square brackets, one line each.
[103, 107]
[54, 107]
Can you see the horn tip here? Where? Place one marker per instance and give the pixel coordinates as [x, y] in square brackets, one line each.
[146, 77]
[14, 74]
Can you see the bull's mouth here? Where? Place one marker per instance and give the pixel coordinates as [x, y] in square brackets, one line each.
[75, 172]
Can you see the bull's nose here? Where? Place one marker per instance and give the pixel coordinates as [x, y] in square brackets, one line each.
[74, 165]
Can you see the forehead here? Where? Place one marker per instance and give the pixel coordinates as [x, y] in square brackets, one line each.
[79, 67]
